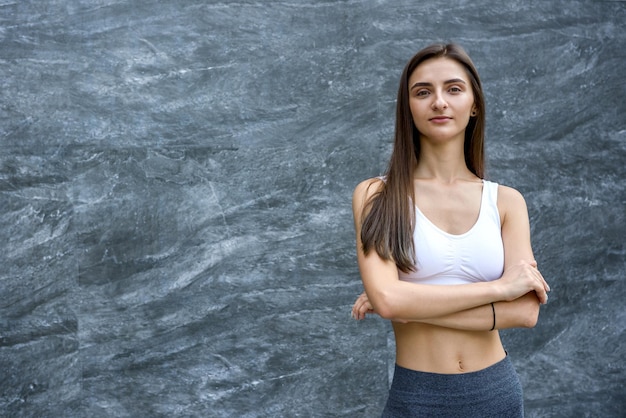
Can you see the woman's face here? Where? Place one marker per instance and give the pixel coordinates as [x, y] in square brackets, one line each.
[441, 100]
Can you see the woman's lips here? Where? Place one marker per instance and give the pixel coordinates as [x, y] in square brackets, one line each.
[440, 119]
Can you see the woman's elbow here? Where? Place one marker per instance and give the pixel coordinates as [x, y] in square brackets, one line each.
[384, 307]
[385, 311]
[531, 315]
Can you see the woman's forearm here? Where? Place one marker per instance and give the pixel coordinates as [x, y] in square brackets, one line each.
[520, 313]
[399, 300]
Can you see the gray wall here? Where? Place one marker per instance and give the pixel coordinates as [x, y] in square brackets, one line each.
[175, 184]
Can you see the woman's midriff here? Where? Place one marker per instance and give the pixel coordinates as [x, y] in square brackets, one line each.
[429, 348]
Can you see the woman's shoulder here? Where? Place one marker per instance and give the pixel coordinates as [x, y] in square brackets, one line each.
[510, 200]
[370, 186]
[509, 194]
[366, 189]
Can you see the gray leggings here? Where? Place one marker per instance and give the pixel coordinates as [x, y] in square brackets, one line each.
[492, 392]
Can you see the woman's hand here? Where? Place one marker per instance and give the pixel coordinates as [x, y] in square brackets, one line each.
[522, 278]
[361, 307]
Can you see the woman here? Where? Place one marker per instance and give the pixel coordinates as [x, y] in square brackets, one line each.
[444, 254]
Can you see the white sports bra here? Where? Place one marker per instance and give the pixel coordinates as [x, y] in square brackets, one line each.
[475, 256]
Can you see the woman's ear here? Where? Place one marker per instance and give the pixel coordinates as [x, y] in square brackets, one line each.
[474, 111]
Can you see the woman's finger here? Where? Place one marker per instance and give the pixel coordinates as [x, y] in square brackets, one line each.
[545, 283]
[540, 276]
[361, 307]
[357, 309]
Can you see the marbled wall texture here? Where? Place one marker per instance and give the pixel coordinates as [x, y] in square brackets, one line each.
[175, 184]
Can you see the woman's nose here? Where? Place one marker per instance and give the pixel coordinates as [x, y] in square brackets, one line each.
[439, 103]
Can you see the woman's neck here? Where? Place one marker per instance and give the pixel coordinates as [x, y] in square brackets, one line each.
[445, 163]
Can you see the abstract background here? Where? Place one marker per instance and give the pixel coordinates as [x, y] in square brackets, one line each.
[175, 185]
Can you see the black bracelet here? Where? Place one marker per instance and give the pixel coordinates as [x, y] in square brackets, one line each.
[493, 309]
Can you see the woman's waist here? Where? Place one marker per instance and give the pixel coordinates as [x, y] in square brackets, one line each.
[436, 349]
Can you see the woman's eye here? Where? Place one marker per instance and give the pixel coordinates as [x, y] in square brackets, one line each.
[455, 89]
[421, 93]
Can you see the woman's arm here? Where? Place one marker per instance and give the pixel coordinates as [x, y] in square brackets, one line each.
[517, 246]
[395, 299]
[520, 313]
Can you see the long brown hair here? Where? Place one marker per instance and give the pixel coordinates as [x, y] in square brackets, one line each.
[388, 224]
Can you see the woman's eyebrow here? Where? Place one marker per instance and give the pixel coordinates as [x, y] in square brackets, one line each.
[425, 84]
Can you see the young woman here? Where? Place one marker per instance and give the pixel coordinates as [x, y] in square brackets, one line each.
[443, 253]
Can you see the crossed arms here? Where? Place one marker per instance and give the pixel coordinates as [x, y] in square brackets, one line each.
[516, 295]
